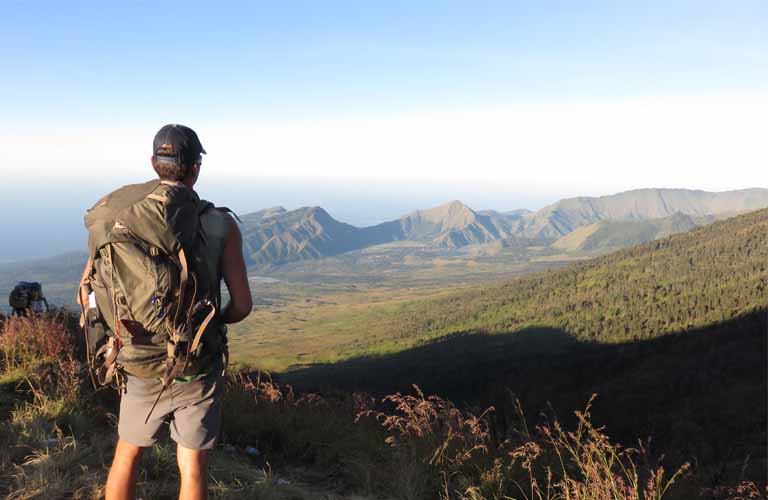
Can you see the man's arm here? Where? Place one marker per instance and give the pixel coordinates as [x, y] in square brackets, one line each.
[235, 276]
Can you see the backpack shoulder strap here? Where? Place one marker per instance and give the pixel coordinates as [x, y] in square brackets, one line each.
[230, 212]
[206, 205]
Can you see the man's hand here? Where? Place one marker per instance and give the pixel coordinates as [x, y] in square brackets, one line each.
[235, 276]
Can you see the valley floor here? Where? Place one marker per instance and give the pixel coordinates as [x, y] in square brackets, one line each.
[325, 312]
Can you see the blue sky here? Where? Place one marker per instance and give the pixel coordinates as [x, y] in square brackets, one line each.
[502, 104]
[97, 63]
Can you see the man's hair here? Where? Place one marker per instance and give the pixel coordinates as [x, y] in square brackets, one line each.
[172, 167]
[171, 171]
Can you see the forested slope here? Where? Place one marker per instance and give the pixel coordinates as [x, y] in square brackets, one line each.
[671, 335]
[710, 274]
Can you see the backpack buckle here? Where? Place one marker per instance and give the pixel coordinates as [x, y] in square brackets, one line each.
[159, 304]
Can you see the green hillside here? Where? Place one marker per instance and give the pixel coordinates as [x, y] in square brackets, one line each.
[688, 280]
[671, 334]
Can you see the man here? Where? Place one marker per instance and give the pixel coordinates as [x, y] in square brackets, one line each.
[191, 406]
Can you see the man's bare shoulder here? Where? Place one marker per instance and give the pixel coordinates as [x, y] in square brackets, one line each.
[233, 229]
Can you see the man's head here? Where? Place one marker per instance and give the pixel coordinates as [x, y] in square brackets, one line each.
[176, 154]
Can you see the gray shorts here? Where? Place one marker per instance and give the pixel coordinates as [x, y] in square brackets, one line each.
[192, 410]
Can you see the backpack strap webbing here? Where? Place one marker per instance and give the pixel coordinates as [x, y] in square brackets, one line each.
[184, 277]
[114, 304]
[84, 300]
[157, 197]
[174, 368]
[82, 291]
[108, 370]
[201, 329]
[173, 364]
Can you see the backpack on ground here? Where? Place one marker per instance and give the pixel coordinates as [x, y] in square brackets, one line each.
[25, 294]
[146, 293]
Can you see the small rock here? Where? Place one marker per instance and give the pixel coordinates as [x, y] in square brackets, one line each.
[250, 450]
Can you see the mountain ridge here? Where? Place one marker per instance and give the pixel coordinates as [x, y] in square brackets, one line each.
[276, 236]
[560, 218]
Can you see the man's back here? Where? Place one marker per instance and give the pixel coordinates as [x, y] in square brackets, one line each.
[190, 399]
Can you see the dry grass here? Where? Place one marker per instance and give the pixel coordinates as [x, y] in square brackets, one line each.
[57, 438]
[26, 342]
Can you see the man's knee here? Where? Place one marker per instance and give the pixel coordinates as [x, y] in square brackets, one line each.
[192, 463]
[127, 452]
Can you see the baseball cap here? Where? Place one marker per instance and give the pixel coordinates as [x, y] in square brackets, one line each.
[178, 142]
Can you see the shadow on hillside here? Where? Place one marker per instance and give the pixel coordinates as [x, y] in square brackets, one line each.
[701, 392]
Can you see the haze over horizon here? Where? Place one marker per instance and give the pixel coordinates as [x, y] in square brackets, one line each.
[45, 232]
[373, 111]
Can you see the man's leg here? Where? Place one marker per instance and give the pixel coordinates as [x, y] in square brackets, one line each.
[193, 466]
[121, 483]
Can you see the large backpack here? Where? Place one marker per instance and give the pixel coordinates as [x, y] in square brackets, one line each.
[25, 294]
[21, 295]
[148, 296]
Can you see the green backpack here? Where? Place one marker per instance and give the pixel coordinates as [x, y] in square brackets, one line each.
[149, 300]
[19, 297]
[24, 294]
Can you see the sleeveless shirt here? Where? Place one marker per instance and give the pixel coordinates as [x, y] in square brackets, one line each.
[215, 228]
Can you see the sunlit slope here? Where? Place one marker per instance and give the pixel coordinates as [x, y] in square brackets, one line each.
[608, 235]
[687, 280]
[708, 275]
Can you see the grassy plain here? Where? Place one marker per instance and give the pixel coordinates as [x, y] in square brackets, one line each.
[331, 310]
[318, 324]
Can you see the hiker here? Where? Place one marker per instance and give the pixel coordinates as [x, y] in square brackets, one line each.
[151, 302]
[27, 298]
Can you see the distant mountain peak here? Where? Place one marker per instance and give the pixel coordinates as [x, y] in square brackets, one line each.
[272, 211]
[319, 213]
[452, 214]
[455, 205]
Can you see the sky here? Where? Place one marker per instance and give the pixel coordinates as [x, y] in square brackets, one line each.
[372, 109]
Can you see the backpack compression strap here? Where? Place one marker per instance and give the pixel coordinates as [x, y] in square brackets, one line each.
[82, 291]
[184, 278]
[173, 364]
[84, 300]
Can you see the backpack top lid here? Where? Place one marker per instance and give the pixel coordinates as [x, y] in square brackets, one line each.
[24, 293]
[28, 286]
[160, 213]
